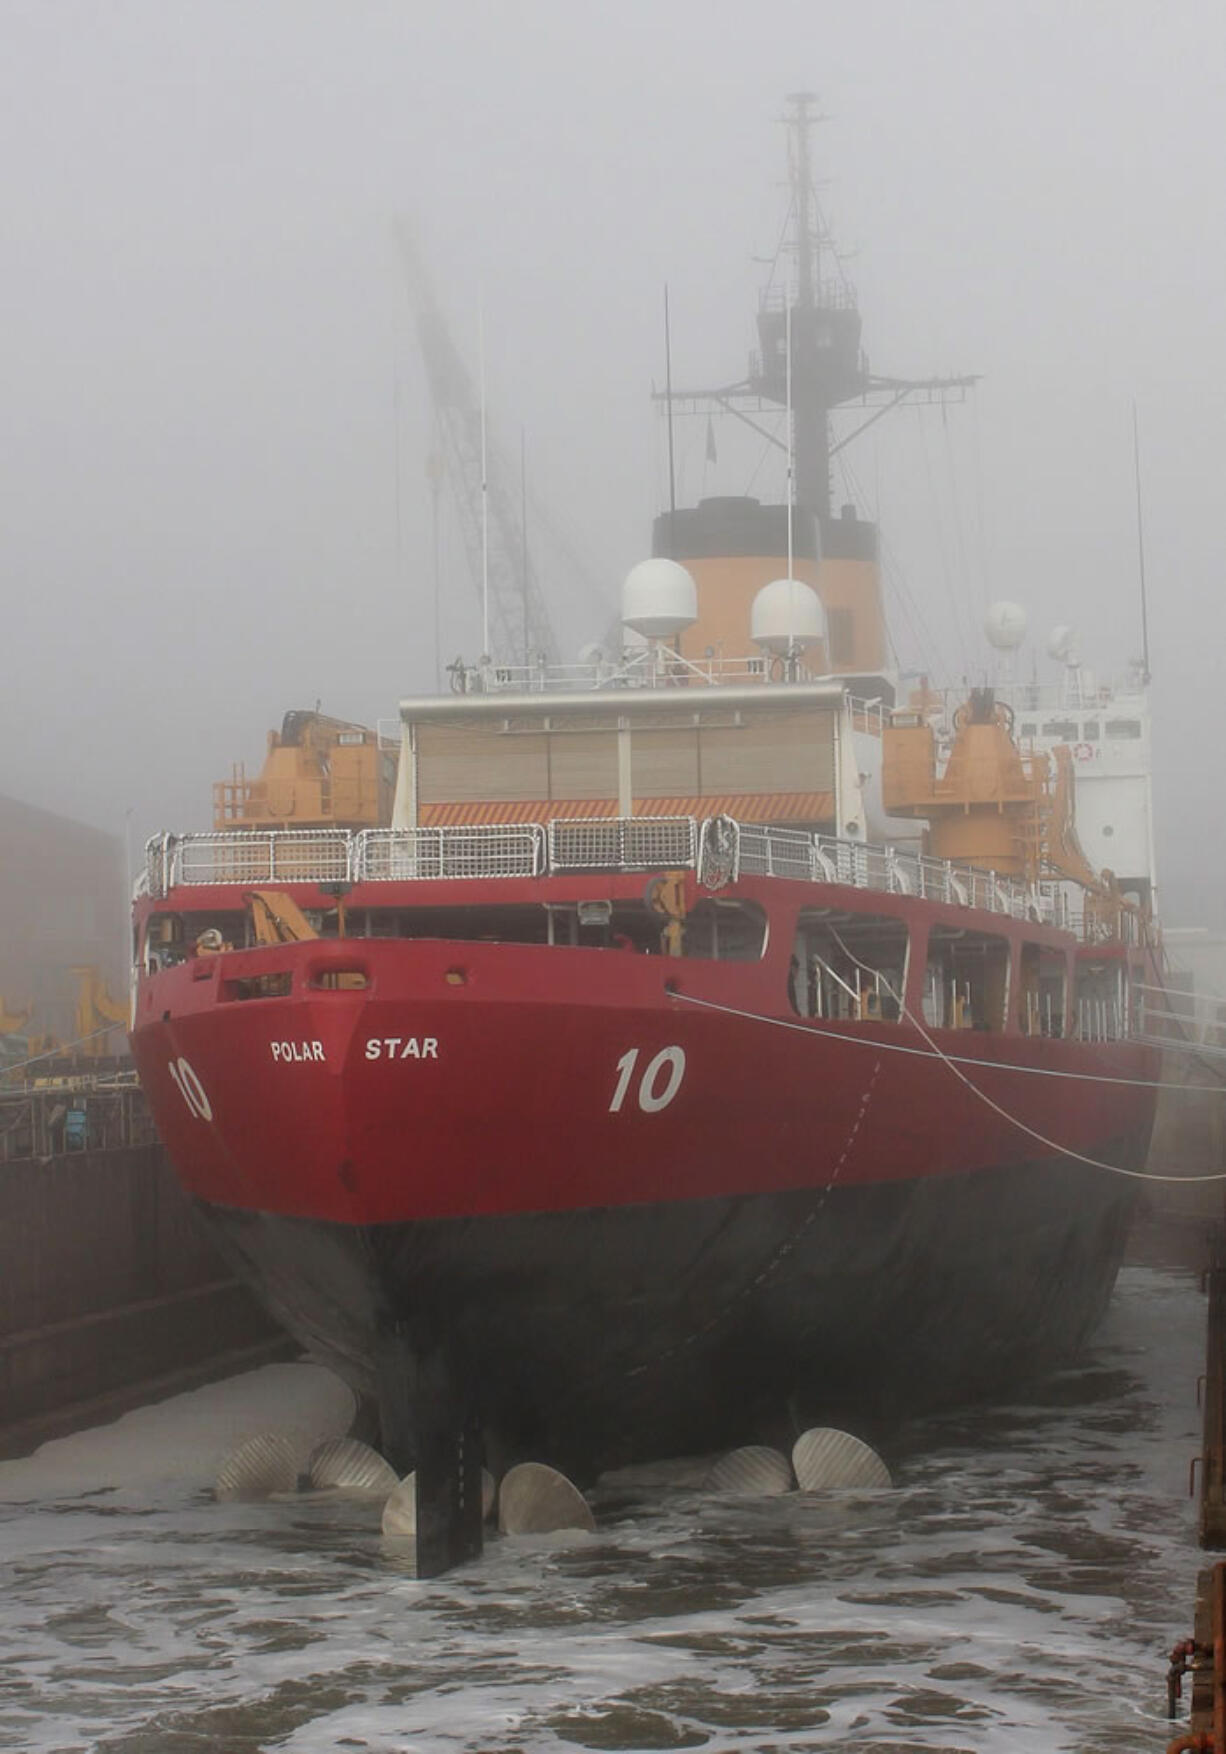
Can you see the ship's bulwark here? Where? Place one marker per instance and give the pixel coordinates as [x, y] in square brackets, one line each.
[606, 1335]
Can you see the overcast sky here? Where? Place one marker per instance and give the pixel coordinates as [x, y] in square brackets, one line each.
[214, 427]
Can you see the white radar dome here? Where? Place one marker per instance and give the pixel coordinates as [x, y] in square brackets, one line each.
[659, 599]
[1005, 626]
[1060, 642]
[786, 614]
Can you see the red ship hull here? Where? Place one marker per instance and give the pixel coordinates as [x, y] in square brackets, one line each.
[638, 1192]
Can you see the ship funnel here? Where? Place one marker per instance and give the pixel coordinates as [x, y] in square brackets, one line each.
[786, 616]
[659, 599]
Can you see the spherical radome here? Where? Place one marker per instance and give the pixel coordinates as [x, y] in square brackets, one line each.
[1005, 625]
[659, 599]
[1060, 642]
[786, 614]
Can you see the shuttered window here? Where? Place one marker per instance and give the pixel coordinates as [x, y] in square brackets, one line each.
[470, 761]
[664, 764]
[769, 752]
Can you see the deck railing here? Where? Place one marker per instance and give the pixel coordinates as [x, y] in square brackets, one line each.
[782, 852]
[465, 850]
[718, 848]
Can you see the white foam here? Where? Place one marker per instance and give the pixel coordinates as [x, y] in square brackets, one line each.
[185, 1439]
[1022, 1550]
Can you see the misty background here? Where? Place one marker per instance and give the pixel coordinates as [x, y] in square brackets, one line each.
[214, 426]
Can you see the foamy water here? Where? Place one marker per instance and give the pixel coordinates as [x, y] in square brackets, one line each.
[1018, 1590]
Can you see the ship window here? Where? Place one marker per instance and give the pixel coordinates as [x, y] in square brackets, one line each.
[1027, 730]
[277, 985]
[1042, 991]
[1064, 729]
[966, 981]
[497, 925]
[1090, 731]
[1123, 727]
[725, 931]
[851, 966]
[1101, 1001]
[172, 938]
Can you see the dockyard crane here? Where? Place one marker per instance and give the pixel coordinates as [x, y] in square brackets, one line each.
[484, 483]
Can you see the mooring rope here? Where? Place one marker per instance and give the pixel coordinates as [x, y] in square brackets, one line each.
[935, 1051]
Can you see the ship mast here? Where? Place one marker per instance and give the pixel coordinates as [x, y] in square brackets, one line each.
[826, 358]
[828, 366]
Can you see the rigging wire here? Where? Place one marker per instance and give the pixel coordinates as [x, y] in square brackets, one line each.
[894, 577]
[947, 581]
[965, 586]
[771, 444]
[783, 234]
[985, 569]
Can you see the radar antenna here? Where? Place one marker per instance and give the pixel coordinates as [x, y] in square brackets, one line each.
[828, 366]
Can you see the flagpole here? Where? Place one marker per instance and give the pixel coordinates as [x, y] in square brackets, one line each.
[787, 329]
[668, 399]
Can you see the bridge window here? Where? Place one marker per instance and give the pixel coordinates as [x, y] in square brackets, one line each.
[1064, 729]
[1123, 727]
[849, 965]
[966, 981]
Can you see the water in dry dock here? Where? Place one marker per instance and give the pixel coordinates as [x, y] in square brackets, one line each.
[1018, 1591]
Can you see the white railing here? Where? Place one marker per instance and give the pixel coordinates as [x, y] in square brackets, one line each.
[783, 852]
[719, 848]
[646, 667]
[1100, 1020]
[623, 843]
[287, 855]
[466, 850]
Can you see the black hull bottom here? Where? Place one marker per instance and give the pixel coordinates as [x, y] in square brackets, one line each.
[598, 1337]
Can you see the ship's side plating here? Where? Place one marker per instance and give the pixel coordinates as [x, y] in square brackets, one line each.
[639, 1192]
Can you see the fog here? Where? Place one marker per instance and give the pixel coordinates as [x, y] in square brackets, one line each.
[214, 425]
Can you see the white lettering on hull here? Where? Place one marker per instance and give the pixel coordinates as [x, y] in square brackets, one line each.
[298, 1051]
[402, 1047]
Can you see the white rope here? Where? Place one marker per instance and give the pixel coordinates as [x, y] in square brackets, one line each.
[884, 1047]
[937, 1053]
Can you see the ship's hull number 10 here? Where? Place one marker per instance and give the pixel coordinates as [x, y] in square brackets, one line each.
[187, 1082]
[659, 1083]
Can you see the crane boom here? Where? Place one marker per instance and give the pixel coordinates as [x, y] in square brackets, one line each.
[520, 630]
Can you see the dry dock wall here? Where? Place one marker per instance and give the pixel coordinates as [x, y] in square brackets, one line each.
[110, 1292]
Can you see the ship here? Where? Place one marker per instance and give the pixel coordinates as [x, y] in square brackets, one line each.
[617, 1057]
